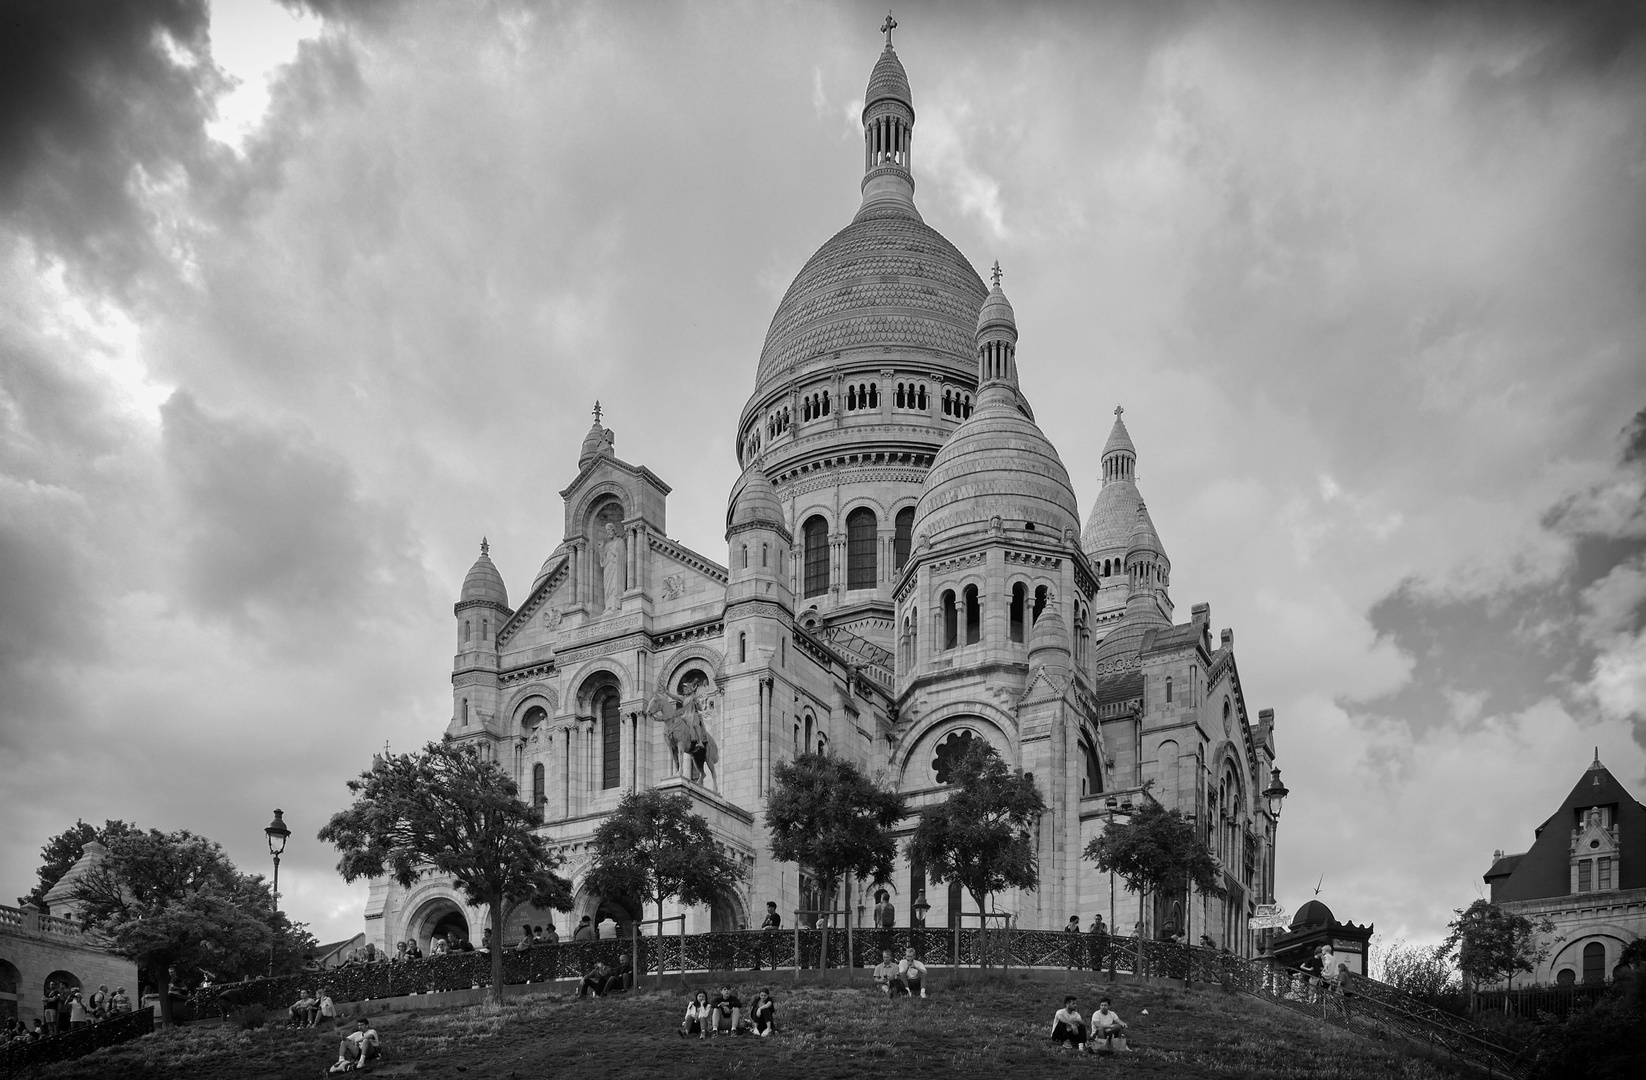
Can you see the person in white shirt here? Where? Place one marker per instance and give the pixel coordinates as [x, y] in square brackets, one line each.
[1068, 1027]
[913, 974]
[1109, 1027]
[699, 1016]
[360, 1047]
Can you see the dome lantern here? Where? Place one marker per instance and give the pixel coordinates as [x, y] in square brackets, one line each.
[996, 338]
[888, 132]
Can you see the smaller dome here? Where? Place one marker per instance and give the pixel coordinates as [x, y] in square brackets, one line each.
[1314, 913]
[1120, 440]
[1114, 512]
[1143, 536]
[483, 581]
[1050, 643]
[598, 441]
[996, 313]
[754, 502]
[887, 80]
[550, 565]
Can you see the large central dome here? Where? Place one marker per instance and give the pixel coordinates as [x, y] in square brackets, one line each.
[886, 280]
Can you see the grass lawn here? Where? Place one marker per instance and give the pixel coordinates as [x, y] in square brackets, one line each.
[986, 1026]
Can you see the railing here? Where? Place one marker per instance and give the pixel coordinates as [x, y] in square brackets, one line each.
[1364, 1005]
[31, 920]
[77, 1043]
[1529, 1001]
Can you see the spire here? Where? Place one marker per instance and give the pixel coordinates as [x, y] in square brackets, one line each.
[598, 441]
[888, 132]
[996, 339]
[485, 548]
[1119, 455]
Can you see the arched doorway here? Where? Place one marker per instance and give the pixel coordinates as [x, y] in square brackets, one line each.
[437, 918]
[727, 914]
[63, 979]
[10, 981]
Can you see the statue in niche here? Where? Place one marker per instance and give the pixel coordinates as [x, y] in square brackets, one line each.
[693, 751]
[614, 561]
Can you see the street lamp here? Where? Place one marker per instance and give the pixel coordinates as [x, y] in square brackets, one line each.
[1275, 794]
[277, 833]
[919, 908]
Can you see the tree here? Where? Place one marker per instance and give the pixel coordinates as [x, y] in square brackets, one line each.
[652, 847]
[825, 814]
[981, 835]
[1492, 944]
[445, 811]
[64, 850]
[1157, 849]
[1424, 971]
[174, 900]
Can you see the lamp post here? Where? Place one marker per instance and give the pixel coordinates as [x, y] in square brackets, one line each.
[1114, 808]
[1275, 794]
[277, 833]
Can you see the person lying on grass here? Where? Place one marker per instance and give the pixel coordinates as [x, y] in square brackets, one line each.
[359, 1049]
[913, 973]
[886, 976]
[1109, 1027]
[1067, 1026]
[728, 1012]
[698, 1017]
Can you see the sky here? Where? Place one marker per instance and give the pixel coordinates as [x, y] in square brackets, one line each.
[299, 302]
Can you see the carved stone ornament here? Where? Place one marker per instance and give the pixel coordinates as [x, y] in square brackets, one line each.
[551, 617]
[674, 586]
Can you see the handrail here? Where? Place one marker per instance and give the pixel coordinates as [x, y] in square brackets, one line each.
[16, 1058]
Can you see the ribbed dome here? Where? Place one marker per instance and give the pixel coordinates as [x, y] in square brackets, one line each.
[1143, 536]
[550, 565]
[996, 464]
[996, 312]
[754, 502]
[1119, 438]
[1125, 641]
[1051, 635]
[1109, 528]
[598, 441]
[888, 80]
[483, 581]
[886, 281]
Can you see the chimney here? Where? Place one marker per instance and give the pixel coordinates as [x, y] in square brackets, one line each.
[1227, 638]
[1200, 613]
[1497, 856]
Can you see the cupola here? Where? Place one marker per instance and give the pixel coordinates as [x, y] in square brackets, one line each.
[484, 583]
[888, 134]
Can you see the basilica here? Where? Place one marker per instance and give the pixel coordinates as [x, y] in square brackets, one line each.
[905, 573]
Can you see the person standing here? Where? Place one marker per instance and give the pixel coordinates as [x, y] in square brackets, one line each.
[65, 1006]
[585, 930]
[1097, 950]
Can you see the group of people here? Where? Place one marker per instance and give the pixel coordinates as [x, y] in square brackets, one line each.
[312, 1010]
[67, 1009]
[1068, 1029]
[903, 978]
[724, 1015]
[603, 979]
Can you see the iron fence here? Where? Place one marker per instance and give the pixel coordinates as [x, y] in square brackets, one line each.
[16, 1057]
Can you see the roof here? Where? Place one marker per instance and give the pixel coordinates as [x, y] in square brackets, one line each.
[888, 80]
[1314, 913]
[754, 502]
[1109, 528]
[1143, 536]
[1120, 440]
[1504, 867]
[1545, 869]
[996, 313]
[483, 582]
[1112, 689]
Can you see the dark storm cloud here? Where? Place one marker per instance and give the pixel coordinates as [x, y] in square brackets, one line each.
[271, 521]
[97, 99]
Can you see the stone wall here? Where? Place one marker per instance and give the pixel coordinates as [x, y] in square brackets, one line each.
[35, 947]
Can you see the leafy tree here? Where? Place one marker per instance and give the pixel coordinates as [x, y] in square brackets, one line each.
[825, 814]
[174, 900]
[1424, 971]
[64, 850]
[1492, 944]
[653, 847]
[445, 811]
[980, 836]
[1158, 849]
[1606, 1041]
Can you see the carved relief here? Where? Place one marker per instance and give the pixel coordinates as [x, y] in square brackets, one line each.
[674, 586]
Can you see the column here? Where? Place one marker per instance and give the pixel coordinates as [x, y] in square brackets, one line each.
[559, 765]
[631, 722]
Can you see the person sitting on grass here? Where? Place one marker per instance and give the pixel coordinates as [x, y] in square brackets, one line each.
[301, 1013]
[1067, 1026]
[912, 973]
[886, 976]
[595, 981]
[699, 1017]
[1109, 1027]
[359, 1049]
[325, 1009]
[765, 1013]
[728, 1012]
[618, 981]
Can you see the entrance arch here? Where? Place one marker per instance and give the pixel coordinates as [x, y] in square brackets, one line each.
[436, 918]
[726, 914]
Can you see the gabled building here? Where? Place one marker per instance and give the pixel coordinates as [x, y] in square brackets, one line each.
[905, 573]
[1585, 870]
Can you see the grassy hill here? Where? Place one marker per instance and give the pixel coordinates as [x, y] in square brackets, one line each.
[989, 1025]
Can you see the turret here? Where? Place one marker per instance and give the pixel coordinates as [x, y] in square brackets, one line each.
[888, 134]
[482, 608]
[758, 597]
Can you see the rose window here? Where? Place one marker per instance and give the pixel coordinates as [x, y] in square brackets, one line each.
[949, 751]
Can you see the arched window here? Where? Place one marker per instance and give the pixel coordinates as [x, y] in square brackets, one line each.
[1566, 977]
[745, 556]
[1168, 689]
[815, 535]
[900, 396]
[611, 737]
[539, 794]
[974, 616]
[948, 396]
[951, 620]
[920, 398]
[485, 629]
[825, 403]
[742, 648]
[468, 628]
[851, 398]
[874, 395]
[1091, 783]
[1594, 962]
[1041, 595]
[807, 744]
[797, 737]
[860, 545]
[465, 712]
[765, 554]
[1019, 597]
[903, 537]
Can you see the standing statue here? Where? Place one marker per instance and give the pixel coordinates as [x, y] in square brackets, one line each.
[614, 561]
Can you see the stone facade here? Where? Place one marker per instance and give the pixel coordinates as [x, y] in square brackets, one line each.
[905, 570]
[1585, 871]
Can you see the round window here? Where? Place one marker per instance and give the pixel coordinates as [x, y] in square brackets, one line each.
[950, 750]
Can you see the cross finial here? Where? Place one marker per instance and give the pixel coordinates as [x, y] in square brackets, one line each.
[1118, 409]
[996, 273]
[597, 411]
[887, 27]
[385, 748]
[485, 548]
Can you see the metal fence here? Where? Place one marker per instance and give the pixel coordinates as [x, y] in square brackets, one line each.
[1534, 1001]
[76, 1043]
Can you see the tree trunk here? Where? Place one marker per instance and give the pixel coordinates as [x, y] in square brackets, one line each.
[162, 983]
[660, 941]
[828, 901]
[495, 992]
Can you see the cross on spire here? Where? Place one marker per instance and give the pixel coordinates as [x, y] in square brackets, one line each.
[485, 548]
[887, 27]
[597, 411]
[996, 273]
[1118, 409]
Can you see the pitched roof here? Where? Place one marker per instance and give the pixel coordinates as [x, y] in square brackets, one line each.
[1545, 870]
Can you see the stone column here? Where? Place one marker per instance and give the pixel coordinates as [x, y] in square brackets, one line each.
[630, 750]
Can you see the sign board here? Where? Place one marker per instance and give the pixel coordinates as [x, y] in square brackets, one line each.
[1340, 945]
[1266, 910]
[1268, 922]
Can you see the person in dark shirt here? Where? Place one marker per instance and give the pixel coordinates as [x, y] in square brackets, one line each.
[728, 1012]
[594, 982]
[618, 981]
[774, 921]
[585, 930]
[764, 1013]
